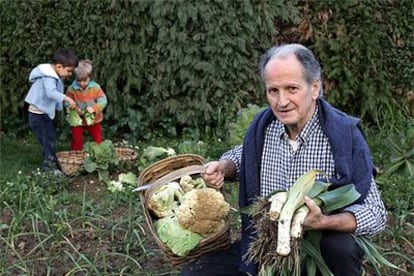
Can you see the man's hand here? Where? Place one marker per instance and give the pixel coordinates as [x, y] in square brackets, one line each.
[313, 220]
[214, 174]
[316, 220]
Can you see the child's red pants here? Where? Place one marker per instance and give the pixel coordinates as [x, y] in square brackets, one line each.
[77, 135]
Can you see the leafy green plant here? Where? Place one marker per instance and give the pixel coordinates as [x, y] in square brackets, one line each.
[151, 154]
[396, 192]
[401, 145]
[238, 129]
[374, 254]
[100, 158]
[194, 147]
[89, 117]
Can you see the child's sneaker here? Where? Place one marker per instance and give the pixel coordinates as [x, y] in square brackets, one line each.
[58, 172]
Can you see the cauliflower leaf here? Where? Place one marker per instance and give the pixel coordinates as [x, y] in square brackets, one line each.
[181, 241]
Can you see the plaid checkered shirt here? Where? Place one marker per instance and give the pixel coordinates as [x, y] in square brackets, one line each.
[282, 165]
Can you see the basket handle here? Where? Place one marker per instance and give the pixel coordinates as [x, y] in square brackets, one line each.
[193, 169]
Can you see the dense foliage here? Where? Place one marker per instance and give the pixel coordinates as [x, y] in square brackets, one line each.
[163, 64]
[367, 54]
[184, 67]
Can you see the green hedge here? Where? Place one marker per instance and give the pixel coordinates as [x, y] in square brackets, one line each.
[186, 67]
[367, 49]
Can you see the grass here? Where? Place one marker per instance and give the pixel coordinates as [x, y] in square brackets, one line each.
[10, 163]
[65, 226]
[74, 225]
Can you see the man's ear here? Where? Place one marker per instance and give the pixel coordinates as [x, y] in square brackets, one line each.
[316, 87]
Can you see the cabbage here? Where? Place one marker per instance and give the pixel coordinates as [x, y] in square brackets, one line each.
[73, 118]
[100, 157]
[89, 118]
[181, 241]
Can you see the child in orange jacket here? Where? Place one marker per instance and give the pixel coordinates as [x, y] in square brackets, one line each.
[90, 102]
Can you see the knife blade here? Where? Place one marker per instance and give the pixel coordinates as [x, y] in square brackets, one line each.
[142, 187]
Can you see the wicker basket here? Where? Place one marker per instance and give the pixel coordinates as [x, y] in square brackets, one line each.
[172, 169]
[126, 154]
[71, 161]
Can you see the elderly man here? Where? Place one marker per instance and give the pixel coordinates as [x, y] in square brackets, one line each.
[299, 131]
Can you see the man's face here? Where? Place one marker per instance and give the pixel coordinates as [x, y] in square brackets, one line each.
[291, 98]
[64, 72]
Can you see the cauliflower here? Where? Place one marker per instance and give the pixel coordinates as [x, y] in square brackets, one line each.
[185, 183]
[188, 183]
[163, 201]
[203, 211]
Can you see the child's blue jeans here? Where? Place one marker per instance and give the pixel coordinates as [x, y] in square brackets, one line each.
[44, 129]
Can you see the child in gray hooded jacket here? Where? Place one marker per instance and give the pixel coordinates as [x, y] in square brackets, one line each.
[46, 95]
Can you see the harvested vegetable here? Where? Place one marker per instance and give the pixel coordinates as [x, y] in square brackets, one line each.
[265, 248]
[180, 240]
[163, 201]
[188, 183]
[73, 118]
[203, 211]
[276, 203]
[152, 152]
[297, 193]
[128, 178]
[100, 157]
[89, 118]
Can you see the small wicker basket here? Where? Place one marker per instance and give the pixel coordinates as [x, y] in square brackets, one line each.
[71, 161]
[126, 154]
[172, 169]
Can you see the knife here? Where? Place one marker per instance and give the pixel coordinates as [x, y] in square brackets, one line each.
[142, 187]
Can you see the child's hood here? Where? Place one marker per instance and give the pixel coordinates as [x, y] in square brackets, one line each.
[43, 70]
